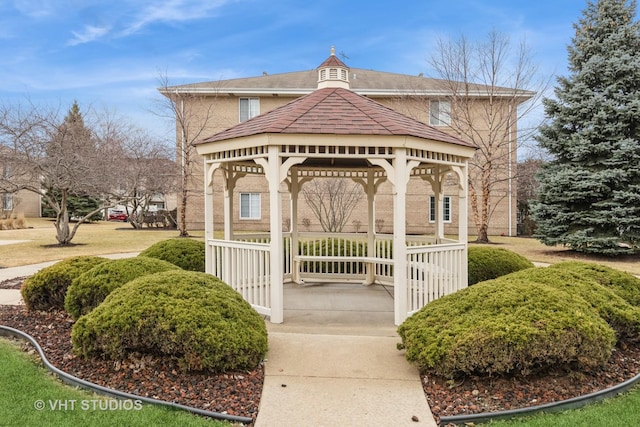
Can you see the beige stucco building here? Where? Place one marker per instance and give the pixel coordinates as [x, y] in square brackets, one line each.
[210, 107]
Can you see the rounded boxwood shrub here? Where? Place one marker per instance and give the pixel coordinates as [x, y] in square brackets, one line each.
[47, 288]
[189, 316]
[89, 289]
[502, 326]
[623, 284]
[188, 254]
[618, 313]
[486, 263]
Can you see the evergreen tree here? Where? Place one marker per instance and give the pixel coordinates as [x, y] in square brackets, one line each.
[589, 197]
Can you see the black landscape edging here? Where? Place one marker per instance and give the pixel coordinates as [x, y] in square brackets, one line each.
[105, 391]
[563, 405]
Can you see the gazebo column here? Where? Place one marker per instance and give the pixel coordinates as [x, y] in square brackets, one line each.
[294, 191]
[371, 214]
[463, 233]
[209, 228]
[272, 172]
[399, 235]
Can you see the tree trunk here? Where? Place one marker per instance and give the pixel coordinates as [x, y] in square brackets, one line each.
[483, 237]
[63, 233]
[182, 223]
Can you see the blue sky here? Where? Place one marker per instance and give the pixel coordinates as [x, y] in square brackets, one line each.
[110, 53]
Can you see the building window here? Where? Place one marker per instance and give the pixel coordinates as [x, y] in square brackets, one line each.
[446, 209]
[7, 201]
[249, 205]
[249, 107]
[439, 113]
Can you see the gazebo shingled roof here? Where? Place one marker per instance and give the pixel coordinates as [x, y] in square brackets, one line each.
[335, 111]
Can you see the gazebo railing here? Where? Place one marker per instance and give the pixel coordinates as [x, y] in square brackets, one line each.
[266, 238]
[433, 269]
[433, 272]
[245, 266]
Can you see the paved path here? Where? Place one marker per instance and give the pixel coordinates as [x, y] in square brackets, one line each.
[333, 362]
[340, 380]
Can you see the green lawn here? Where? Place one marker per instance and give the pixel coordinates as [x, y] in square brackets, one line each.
[31, 396]
[622, 411]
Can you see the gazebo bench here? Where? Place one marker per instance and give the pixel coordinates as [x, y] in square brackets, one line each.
[369, 263]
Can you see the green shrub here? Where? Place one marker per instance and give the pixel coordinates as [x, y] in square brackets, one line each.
[623, 284]
[190, 316]
[618, 313]
[89, 289]
[502, 326]
[48, 287]
[187, 254]
[486, 263]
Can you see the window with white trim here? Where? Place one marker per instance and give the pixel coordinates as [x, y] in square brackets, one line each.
[439, 113]
[249, 108]
[446, 209]
[249, 205]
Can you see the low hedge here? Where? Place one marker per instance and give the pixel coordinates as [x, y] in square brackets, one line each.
[505, 326]
[89, 289]
[188, 254]
[623, 284]
[486, 263]
[47, 288]
[189, 316]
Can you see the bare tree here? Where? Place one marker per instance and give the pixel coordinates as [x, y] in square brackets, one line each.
[59, 159]
[194, 120]
[332, 201]
[147, 172]
[490, 87]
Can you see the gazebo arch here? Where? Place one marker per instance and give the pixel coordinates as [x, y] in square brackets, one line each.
[334, 132]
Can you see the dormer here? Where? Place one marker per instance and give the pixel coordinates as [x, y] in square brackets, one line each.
[333, 72]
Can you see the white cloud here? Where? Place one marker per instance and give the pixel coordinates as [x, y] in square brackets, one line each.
[174, 11]
[89, 33]
[35, 8]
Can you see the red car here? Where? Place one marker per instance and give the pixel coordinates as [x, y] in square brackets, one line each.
[118, 216]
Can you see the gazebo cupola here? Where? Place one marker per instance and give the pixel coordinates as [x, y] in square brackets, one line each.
[333, 72]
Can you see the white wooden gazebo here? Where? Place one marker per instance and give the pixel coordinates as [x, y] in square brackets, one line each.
[334, 132]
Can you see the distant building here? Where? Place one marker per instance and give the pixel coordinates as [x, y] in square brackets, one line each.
[233, 101]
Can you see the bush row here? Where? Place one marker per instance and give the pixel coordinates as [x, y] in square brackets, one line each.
[149, 304]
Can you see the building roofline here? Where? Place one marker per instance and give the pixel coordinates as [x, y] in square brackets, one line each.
[371, 83]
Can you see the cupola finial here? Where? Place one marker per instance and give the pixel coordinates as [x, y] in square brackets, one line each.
[333, 72]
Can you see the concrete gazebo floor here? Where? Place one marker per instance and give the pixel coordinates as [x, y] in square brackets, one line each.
[337, 308]
[334, 361]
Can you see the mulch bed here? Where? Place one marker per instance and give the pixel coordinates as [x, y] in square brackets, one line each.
[233, 393]
[238, 393]
[473, 395]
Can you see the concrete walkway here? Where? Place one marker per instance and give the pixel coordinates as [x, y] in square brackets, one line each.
[333, 362]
